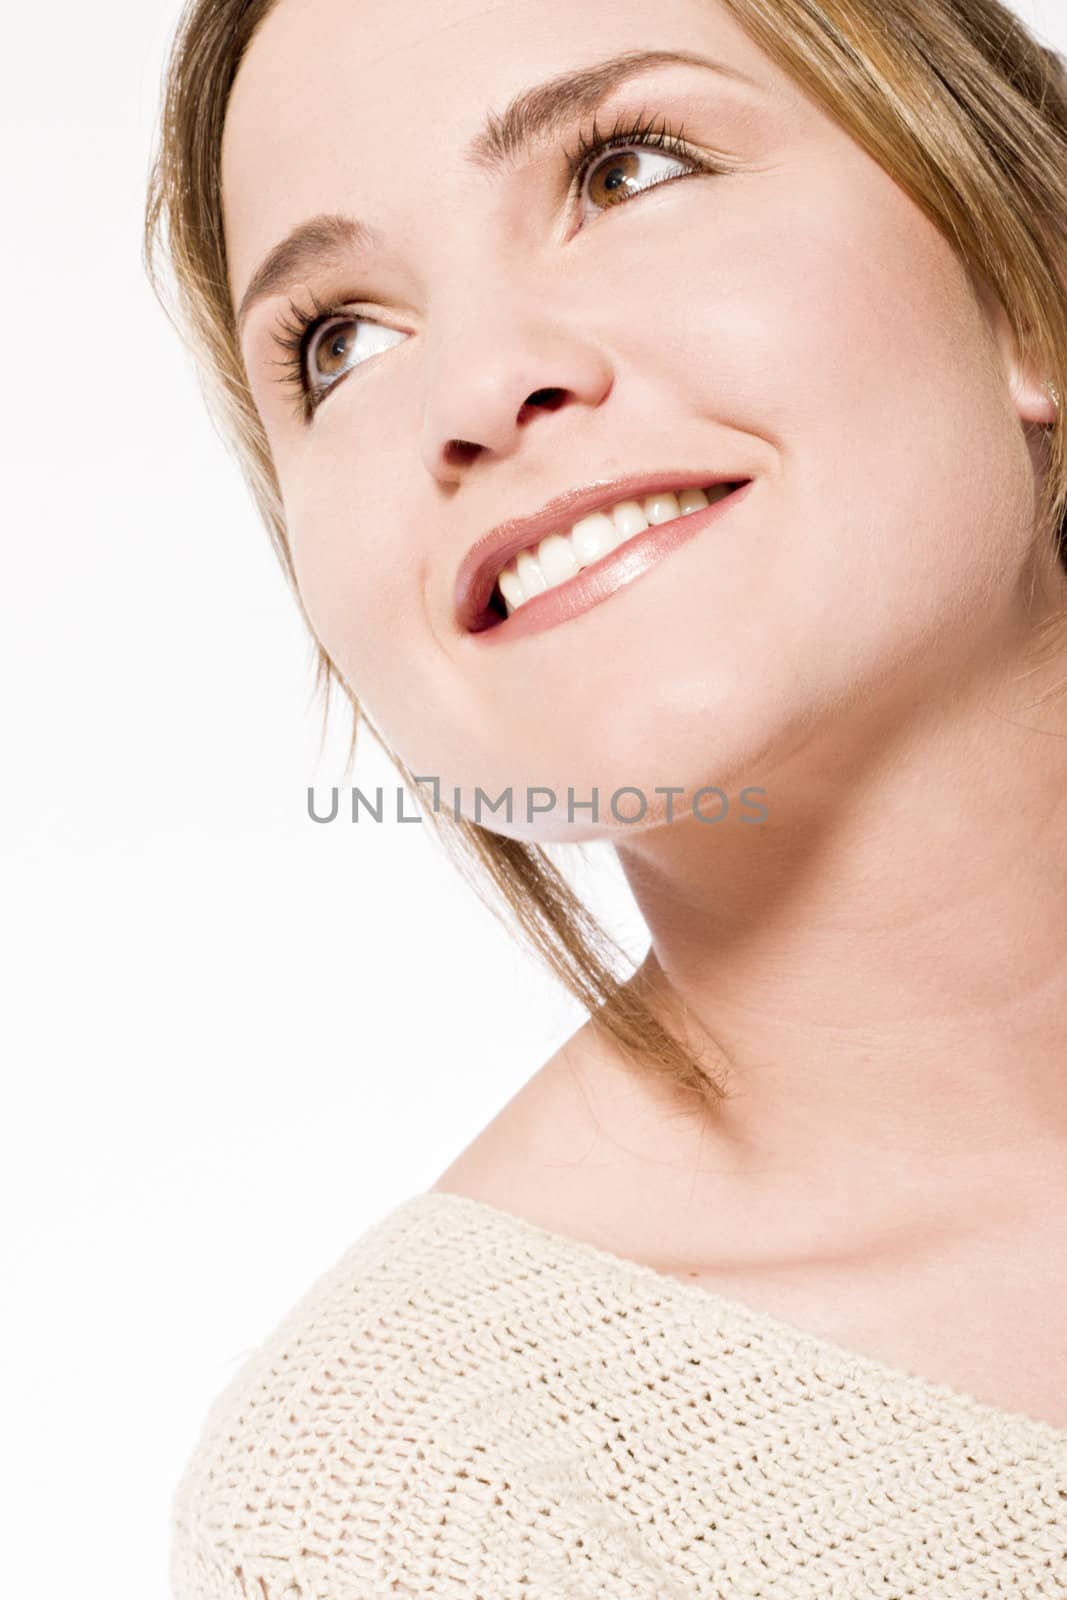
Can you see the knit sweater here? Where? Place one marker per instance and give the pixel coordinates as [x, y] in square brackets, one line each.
[469, 1407]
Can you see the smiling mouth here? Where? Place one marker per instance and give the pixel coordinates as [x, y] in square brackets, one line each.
[552, 563]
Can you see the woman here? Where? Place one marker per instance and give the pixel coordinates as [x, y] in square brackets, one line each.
[656, 411]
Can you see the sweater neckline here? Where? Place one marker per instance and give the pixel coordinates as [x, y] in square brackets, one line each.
[884, 1374]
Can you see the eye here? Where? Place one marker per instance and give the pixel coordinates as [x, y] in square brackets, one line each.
[322, 346]
[625, 173]
[340, 344]
[611, 169]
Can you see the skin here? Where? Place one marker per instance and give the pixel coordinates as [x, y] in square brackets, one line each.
[880, 961]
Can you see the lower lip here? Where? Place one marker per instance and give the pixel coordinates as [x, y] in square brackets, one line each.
[618, 568]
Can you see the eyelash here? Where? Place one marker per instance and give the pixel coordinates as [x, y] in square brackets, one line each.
[659, 134]
[294, 337]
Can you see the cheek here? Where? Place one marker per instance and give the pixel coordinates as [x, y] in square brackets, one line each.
[360, 577]
[834, 322]
[824, 279]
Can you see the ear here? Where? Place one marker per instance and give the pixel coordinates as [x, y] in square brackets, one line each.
[1029, 386]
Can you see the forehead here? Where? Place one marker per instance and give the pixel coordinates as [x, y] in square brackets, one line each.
[367, 106]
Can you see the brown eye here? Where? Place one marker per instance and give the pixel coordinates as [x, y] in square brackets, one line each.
[342, 343]
[332, 349]
[616, 172]
[622, 173]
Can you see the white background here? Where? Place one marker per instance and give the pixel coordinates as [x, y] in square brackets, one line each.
[231, 1039]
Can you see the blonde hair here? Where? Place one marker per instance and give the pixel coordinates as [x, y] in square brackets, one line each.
[955, 99]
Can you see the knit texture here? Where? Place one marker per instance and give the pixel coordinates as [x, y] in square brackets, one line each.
[470, 1407]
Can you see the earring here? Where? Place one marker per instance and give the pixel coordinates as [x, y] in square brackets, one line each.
[1055, 394]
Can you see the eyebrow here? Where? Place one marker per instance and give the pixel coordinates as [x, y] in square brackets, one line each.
[530, 116]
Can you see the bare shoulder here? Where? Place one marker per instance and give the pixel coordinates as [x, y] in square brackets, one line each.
[585, 1148]
[549, 1124]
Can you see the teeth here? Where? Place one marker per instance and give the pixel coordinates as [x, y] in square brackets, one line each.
[560, 555]
[593, 537]
[661, 508]
[629, 518]
[511, 588]
[530, 575]
[557, 558]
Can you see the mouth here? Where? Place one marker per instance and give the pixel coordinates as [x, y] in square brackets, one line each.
[533, 571]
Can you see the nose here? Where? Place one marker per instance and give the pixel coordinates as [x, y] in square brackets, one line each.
[493, 379]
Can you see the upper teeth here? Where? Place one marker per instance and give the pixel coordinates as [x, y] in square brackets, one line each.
[560, 555]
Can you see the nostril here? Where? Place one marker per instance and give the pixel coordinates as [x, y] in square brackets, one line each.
[460, 451]
[544, 400]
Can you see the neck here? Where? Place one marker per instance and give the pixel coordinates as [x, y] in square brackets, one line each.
[881, 963]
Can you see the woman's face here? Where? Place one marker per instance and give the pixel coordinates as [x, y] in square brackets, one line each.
[787, 316]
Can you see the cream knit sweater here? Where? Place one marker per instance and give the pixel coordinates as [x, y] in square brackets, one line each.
[470, 1407]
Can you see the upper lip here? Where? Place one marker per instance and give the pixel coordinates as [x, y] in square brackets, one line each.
[488, 557]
